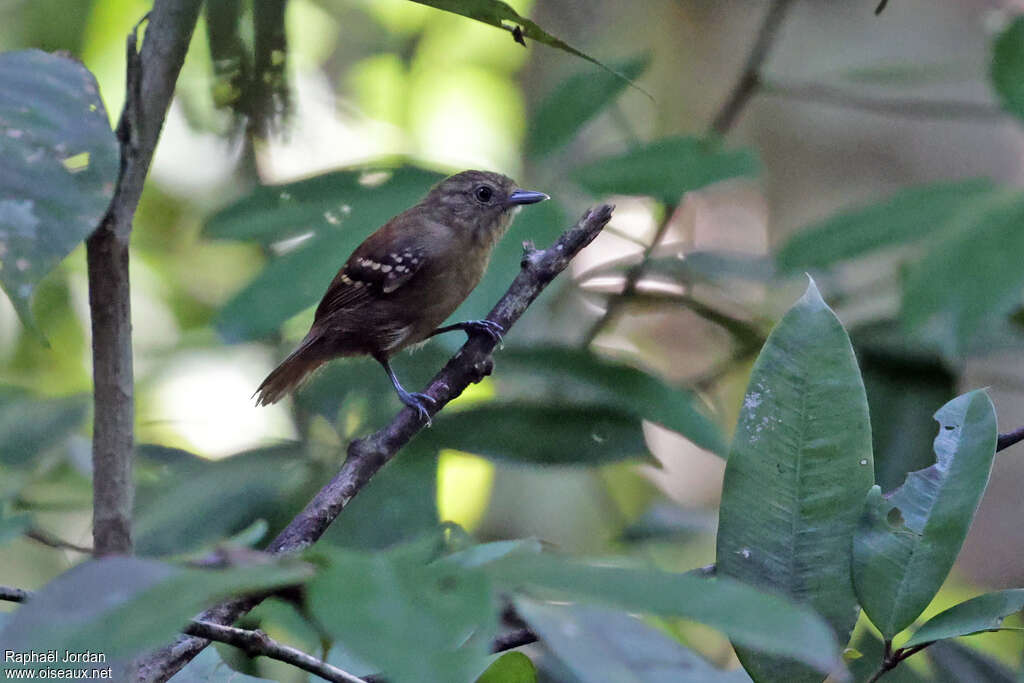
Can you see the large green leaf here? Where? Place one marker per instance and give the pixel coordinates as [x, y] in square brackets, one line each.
[953, 662]
[581, 376]
[416, 622]
[121, 606]
[337, 209]
[541, 433]
[763, 621]
[906, 217]
[799, 466]
[60, 164]
[971, 272]
[501, 15]
[666, 169]
[601, 645]
[575, 101]
[983, 613]
[1007, 70]
[30, 425]
[511, 667]
[907, 540]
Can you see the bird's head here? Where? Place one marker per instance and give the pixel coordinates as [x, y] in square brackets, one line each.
[480, 203]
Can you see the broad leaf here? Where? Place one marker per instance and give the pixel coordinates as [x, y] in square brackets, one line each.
[573, 102]
[1008, 67]
[501, 15]
[906, 217]
[486, 553]
[415, 622]
[30, 425]
[601, 645]
[983, 613]
[666, 169]
[971, 272]
[953, 662]
[60, 164]
[580, 376]
[799, 466]
[121, 606]
[541, 433]
[511, 667]
[908, 539]
[763, 621]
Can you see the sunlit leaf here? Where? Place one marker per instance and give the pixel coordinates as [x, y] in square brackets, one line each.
[666, 169]
[50, 113]
[501, 15]
[1007, 69]
[907, 540]
[906, 217]
[799, 466]
[763, 621]
[121, 606]
[511, 667]
[573, 102]
[601, 645]
[983, 613]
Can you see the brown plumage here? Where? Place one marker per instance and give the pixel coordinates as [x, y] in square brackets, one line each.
[405, 279]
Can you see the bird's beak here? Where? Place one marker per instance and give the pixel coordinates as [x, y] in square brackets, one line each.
[519, 197]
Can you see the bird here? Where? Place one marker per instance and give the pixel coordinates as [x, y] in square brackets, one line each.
[405, 279]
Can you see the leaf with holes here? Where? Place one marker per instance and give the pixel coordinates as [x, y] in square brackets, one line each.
[907, 540]
[797, 473]
[60, 165]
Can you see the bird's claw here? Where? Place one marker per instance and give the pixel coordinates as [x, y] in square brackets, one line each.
[488, 327]
[417, 401]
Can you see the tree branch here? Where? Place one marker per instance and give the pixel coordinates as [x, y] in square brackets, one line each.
[259, 644]
[367, 455]
[48, 539]
[513, 639]
[151, 75]
[1010, 438]
[12, 594]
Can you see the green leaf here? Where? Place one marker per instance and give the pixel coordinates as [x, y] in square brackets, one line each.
[983, 613]
[60, 164]
[575, 101]
[541, 433]
[953, 662]
[208, 667]
[511, 667]
[415, 622]
[29, 425]
[122, 606]
[907, 540]
[759, 620]
[666, 169]
[337, 209]
[497, 13]
[486, 553]
[601, 645]
[1008, 67]
[581, 376]
[906, 217]
[971, 272]
[668, 521]
[799, 466]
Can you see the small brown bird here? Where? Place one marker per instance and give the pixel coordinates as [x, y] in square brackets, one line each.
[405, 279]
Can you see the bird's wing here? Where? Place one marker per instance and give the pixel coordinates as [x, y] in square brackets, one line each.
[371, 271]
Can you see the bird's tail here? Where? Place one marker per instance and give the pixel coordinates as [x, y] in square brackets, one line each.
[287, 376]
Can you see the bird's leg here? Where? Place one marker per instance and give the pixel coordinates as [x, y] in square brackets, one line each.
[470, 327]
[414, 400]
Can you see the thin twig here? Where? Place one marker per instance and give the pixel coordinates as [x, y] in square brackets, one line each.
[817, 93]
[259, 644]
[48, 539]
[1010, 438]
[12, 594]
[892, 658]
[367, 455]
[151, 75]
[513, 639]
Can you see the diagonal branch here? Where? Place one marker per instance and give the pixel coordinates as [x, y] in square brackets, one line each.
[151, 75]
[367, 455]
[12, 594]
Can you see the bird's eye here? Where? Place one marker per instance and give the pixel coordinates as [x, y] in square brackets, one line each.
[483, 194]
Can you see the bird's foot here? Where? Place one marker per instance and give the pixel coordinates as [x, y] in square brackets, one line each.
[488, 327]
[419, 403]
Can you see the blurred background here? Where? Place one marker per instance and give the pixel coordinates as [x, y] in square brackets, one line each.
[223, 288]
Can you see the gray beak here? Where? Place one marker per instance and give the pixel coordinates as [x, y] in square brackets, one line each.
[519, 197]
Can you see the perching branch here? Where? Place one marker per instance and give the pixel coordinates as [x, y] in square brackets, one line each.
[1010, 438]
[48, 539]
[367, 455]
[151, 75]
[259, 644]
[12, 594]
